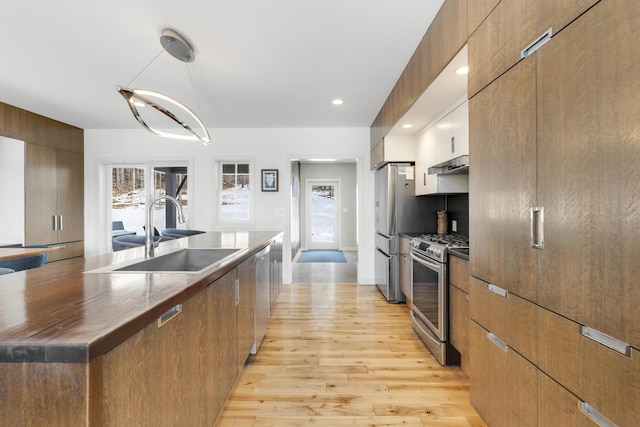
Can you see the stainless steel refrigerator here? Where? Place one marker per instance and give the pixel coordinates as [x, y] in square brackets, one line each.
[398, 210]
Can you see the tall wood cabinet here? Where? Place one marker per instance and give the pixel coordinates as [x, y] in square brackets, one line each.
[54, 180]
[560, 131]
[54, 199]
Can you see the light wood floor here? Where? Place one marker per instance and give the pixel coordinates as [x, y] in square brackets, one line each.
[340, 355]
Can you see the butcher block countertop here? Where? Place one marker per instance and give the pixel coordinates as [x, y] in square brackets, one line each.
[59, 313]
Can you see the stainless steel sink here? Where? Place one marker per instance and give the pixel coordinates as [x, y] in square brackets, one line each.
[181, 261]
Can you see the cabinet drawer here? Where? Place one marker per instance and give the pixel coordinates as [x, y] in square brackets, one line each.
[504, 385]
[488, 308]
[498, 42]
[604, 378]
[522, 318]
[459, 324]
[459, 273]
[557, 406]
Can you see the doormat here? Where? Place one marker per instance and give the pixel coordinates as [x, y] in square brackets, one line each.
[321, 256]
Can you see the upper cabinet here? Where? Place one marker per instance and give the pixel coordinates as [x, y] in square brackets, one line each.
[397, 148]
[447, 139]
[513, 25]
[452, 134]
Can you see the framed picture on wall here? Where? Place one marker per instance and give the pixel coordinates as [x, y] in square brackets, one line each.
[269, 179]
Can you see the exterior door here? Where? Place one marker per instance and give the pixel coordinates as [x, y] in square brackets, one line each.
[321, 211]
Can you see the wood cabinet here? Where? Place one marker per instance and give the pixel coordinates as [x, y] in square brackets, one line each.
[589, 152]
[446, 35]
[398, 148]
[459, 316]
[504, 385]
[502, 188]
[513, 25]
[54, 199]
[137, 372]
[246, 302]
[195, 352]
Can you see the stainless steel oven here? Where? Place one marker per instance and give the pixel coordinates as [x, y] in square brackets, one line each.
[429, 293]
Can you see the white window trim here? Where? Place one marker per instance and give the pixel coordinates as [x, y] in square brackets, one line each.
[217, 167]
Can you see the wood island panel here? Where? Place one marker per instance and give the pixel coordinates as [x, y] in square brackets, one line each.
[85, 349]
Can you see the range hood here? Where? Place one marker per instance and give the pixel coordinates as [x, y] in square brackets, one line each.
[456, 165]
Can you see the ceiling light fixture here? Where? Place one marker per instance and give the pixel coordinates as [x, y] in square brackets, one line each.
[337, 102]
[177, 46]
[407, 125]
[462, 70]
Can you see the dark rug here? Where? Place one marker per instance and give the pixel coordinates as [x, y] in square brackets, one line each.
[321, 256]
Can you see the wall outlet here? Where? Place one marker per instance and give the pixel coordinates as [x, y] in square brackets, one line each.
[454, 225]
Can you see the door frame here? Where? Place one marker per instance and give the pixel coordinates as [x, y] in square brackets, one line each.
[308, 183]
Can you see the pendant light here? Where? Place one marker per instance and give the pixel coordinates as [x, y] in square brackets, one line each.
[177, 46]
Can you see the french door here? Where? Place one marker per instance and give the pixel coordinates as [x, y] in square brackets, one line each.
[321, 214]
[131, 186]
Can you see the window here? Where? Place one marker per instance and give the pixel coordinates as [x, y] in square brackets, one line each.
[235, 192]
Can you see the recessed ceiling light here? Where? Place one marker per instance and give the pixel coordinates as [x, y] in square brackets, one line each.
[337, 101]
[462, 70]
[407, 125]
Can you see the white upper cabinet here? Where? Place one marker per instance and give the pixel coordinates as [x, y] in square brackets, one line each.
[452, 134]
[447, 139]
[460, 128]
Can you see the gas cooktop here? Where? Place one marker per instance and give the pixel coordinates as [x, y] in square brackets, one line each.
[448, 240]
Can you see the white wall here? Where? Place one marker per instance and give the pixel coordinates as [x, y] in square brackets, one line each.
[12, 183]
[270, 148]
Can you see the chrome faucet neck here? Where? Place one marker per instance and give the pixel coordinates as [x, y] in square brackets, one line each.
[149, 244]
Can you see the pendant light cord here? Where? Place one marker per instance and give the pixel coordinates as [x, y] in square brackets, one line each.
[195, 95]
[147, 66]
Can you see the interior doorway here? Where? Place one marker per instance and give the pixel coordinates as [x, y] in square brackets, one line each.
[322, 207]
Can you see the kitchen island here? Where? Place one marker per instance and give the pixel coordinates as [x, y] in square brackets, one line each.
[83, 346]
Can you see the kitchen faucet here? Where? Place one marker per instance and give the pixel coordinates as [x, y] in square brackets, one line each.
[149, 244]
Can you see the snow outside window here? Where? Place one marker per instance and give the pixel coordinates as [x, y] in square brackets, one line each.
[235, 194]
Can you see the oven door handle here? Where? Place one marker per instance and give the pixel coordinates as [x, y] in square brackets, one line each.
[432, 265]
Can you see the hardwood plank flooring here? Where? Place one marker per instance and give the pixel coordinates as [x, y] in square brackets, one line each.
[340, 355]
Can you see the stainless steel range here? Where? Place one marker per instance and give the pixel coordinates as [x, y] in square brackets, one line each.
[429, 291]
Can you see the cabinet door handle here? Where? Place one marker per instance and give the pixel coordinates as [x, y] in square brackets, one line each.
[424, 179]
[55, 223]
[497, 290]
[60, 223]
[606, 340]
[172, 313]
[594, 415]
[497, 341]
[453, 144]
[537, 228]
[537, 43]
[237, 291]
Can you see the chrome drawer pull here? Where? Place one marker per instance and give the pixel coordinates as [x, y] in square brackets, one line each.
[537, 228]
[606, 340]
[497, 341]
[162, 320]
[536, 44]
[497, 290]
[595, 416]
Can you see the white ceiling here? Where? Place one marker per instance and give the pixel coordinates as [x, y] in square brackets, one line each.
[259, 63]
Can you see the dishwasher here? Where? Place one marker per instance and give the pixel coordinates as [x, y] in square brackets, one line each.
[263, 297]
